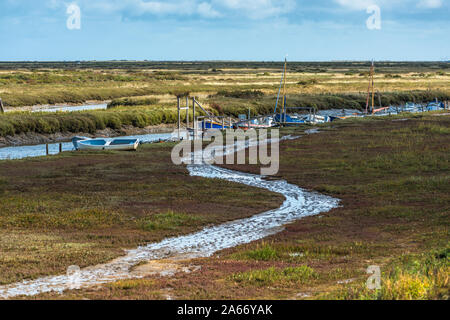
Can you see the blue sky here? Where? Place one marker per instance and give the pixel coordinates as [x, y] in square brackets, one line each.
[313, 30]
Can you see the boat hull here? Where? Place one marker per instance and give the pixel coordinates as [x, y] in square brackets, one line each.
[214, 125]
[113, 145]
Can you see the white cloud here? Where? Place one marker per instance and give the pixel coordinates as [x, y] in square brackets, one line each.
[206, 10]
[257, 9]
[254, 9]
[356, 4]
[364, 4]
[430, 4]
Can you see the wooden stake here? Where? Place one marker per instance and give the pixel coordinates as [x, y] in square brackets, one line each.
[187, 112]
[2, 110]
[195, 120]
[46, 149]
[179, 117]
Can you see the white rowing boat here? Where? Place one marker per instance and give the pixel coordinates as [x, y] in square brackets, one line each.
[108, 144]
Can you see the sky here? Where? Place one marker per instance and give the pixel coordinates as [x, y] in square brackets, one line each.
[244, 30]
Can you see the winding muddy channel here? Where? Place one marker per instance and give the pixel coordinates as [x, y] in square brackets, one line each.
[298, 204]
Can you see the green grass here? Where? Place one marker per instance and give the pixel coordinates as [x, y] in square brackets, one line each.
[132, 102]
[271, 276]
[87, 122]
[410, 277]
[167, 221]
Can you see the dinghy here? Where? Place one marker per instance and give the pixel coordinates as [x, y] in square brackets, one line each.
[76, 139]
[107, 144]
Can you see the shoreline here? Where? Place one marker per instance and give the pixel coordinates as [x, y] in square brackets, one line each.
[32, 138]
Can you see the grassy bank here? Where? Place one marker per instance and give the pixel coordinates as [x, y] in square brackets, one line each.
[86, 208]
[392, 178]
[88, 122]
[239, 102]
[141, 112]
[23, 84]
[144, 93]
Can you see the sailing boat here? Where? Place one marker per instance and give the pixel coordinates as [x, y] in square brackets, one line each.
[285, 118]
[371, 90]
[282, 117]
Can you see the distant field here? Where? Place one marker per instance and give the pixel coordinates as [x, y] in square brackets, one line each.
[144, 93]
[23, 84]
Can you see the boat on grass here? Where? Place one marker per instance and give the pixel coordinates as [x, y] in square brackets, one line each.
[106, 144]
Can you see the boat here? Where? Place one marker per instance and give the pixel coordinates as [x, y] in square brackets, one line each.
[213, 125]
[434, 106]
[108, 144]
[267, 123]
[76, 139]
[287, 119]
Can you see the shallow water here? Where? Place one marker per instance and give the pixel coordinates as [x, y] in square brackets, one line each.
[102, 106]
[60, 108]
[21, 152]
[298, 204]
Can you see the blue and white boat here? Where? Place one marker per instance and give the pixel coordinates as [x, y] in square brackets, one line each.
[76, 139]
[106, 144]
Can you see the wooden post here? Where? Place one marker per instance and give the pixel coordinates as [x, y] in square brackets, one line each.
[60, 148]
[46, 149]
[187, 111]
[2, 110]
[179, 117]
[223, 123]
[195, 120]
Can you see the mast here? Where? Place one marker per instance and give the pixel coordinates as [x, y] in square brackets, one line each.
[371, 88]
[284, 89]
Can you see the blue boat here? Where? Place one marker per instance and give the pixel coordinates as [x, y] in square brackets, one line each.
[289, 119]
[213, 125]
[435, 106]
[76, 139]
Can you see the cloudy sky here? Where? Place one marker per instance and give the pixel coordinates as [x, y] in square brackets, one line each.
[306, 30]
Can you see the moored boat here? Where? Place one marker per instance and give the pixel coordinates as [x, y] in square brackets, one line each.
[108, 144]
[76, 139]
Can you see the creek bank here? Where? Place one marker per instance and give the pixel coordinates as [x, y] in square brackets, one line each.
[32, 138]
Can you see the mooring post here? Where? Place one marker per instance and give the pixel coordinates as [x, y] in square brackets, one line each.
[195, 120]
[2, 110]
[46, 149]
[187, 111]
[60, 148]
[179, 117]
